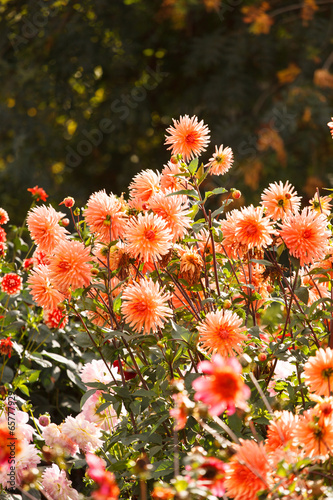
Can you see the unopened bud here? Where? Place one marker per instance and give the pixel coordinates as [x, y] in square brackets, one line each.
[94, 271]
[236, 194]
[174, 159]
[262, 356]
[65, 222]
[227, 304]
[68, 202]
[44, 420]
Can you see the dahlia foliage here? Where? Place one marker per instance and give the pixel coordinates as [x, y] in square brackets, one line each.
[168, 345]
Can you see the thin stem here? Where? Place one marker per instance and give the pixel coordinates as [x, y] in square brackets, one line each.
[255, 381]
[226, 428]
[214, 254]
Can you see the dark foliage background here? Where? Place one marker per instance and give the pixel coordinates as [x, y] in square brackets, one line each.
[89, 87]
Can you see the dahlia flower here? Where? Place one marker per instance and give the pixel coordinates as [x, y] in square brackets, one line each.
[223, 388]
[45, 231]
[105, 215]
[306, 235]
[145, 306]
[188, 137]
[221, 332]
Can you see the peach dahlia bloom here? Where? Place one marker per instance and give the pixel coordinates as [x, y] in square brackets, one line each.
[45, 231]
[42, 289]
[221, 161]
[318, 372]
[314, 433]
[248, 471]
[148, 237]
[191, 264]
[188, 137]
[221, 332]
[306, 235]
[144, 185]
[70, 267]
[252, 229]
[173, 211]
[168, 179]
[145, 306]
[321, 205]
[105, 216]
[280, 199]
[223, 388]
[280, 431]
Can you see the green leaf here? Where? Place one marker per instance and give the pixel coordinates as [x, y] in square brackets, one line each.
[302, 293]
[117, 304]
[189, 192]
[61, 359]
[193, 165]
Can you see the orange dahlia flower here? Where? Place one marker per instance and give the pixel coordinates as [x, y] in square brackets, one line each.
[148, 237]
[306, 235]
[318, 372]
[168, 179]
[145, 306]
[323, 204]
[221, 161]
[280, 431]
[188, 137]
[191, 264]
[248, 471]
[144, 185]
[252, 229]
[42, 289]
[314, 433]
[43, 224]
[70, 266]
[105, 216]
[280, 200]
[173, 212]
[221, 332]
[223, 388]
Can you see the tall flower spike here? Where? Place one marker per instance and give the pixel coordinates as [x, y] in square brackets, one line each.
[188, 137]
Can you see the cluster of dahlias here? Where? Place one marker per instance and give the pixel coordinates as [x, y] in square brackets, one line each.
[147, 267]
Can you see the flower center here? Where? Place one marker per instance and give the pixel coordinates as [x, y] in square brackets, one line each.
[223, 333]
[327, 372]
[150, 235]
[141, 307]
[190, 138]
[226, 385]
[250, 230]
[307, 233]
[64, 266]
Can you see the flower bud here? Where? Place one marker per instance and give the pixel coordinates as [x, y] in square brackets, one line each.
[44, 420]
[174, 159]
[236, 194]
[262, 357]
[68, 202]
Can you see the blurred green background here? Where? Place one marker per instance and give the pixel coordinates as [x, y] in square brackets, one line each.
[89, 87]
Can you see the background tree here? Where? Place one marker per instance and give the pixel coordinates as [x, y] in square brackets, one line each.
[88, 89]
